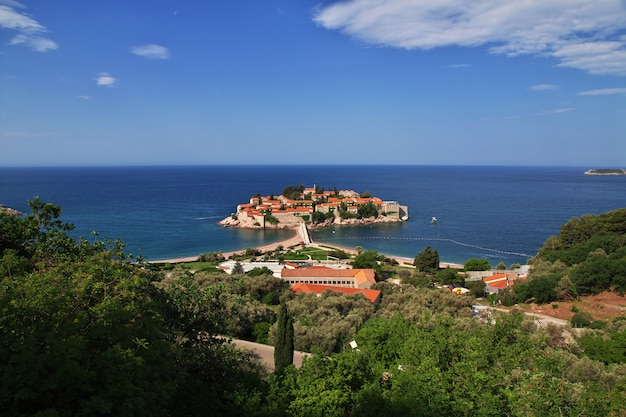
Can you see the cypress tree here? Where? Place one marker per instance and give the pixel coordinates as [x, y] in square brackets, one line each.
[283, 346]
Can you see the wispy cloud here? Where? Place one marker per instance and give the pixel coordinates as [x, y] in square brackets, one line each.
[151, 51]
[459, 66]
[105, 79]
[579, 33]
[555, 111]
[543, 87]
[30, 31]
[603, 92]
[12, 3]
[83, 97]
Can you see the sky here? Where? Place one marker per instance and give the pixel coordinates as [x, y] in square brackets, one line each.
[411, 82]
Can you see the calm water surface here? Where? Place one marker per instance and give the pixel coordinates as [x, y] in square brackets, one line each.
[499, 213]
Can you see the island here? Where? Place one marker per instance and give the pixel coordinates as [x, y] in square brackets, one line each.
[314, 207]
[605, 172]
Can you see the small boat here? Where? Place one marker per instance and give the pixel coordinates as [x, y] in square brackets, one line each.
[433, 220]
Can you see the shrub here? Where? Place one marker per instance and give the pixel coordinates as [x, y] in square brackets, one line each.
[271, 298]
[581, 319]
[598, 324]
[261, 331]
[476, 264]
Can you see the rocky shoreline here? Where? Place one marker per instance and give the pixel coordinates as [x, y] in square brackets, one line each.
[236, 222]
[7, 210]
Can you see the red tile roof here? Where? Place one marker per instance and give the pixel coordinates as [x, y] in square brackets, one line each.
[361, 276]
[372, 295]
[500, 280]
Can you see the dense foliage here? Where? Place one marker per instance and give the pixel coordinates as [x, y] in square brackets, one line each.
[588, 256]
[86, 330]
[476, 264]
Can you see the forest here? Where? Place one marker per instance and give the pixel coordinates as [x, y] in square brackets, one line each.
[88, 330]
[587, 256]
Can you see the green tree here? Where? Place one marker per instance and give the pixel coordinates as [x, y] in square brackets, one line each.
[83, 338]
[366, 260]
[40, 234]
[284, 345]
[476, 264]
[367, 210]
[427, 261]
[450, 276]
[237, 269]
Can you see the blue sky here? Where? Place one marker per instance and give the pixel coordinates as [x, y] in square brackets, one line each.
[452, 82]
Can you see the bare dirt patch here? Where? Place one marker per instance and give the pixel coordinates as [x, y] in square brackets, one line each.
[604, 306]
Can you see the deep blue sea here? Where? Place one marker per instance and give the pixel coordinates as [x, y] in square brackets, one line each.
[499, 213]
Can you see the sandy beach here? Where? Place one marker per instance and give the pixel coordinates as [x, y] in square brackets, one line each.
[292, 241]
[296, 240]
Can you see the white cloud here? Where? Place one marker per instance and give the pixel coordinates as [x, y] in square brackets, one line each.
[12, 3]
[579, 33]
[36, 43]
[543, 87]
[556, 111]
[459, 66]
[603, 92]
[151, 51]
[29, 30]
[83, 97]
[104, 79]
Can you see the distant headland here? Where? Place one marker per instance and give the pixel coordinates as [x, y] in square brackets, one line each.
[314, 207]
[7, 210]
[605, 172]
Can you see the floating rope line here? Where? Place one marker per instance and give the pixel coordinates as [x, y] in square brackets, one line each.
[439, 239]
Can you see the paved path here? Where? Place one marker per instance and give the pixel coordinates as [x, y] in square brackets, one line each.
[265, 353]
[541, 319]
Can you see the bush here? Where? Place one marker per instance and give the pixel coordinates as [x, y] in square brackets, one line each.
[581, 319]
[476, 264]
[271, 298]
[598, 324]
[214, 257]
[261, 331]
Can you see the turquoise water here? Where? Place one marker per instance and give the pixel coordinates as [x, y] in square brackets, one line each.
[499, 213]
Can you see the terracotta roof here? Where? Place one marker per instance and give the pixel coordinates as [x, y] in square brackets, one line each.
[322, 271]
[371, 295]
[364, 276]
[500, 280]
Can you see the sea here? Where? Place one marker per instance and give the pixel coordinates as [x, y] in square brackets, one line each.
[499, 213]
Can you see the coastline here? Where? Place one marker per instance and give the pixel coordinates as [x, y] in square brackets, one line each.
[296, 240]
[292, 241]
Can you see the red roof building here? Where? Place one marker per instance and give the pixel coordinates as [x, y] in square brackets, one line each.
[371, 295]
[323, 275]
[496, 282]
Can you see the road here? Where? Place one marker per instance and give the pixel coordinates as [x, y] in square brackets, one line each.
[541, 319]
[265, 353]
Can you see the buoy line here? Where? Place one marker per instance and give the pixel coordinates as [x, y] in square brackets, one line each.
[439, 239]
